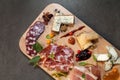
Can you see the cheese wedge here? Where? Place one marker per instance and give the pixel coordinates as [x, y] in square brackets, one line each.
[102, 57]
[85, 39]
[61, 19]
[113, 52]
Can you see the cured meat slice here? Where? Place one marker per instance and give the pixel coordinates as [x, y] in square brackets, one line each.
[62, 58]
[85, 73]
[96, 71]
[32, 35]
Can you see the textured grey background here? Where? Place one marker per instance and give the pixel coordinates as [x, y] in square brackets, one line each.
[16, 15]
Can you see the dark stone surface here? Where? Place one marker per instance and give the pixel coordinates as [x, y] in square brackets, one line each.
[16, 15]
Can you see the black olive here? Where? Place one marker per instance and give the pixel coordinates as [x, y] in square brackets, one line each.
[77, 55]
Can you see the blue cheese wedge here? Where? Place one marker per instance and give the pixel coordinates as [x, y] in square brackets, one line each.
[61, 19]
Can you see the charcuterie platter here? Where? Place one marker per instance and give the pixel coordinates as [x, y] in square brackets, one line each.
[68, 49]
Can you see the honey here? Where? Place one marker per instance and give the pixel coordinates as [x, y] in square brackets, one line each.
[112, 75]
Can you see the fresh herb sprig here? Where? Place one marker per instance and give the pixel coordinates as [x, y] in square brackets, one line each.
[34, 60]
[38, 47]
[84, 63]
[94, 58]
[83, 76]
[48, 36]
[52, 56]
[60, 74]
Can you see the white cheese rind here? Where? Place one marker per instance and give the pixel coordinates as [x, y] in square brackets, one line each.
[108, 65]
[102, 57]
[113, 52]
[117, 61]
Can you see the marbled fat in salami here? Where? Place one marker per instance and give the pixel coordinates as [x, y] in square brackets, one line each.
[32, 35]
[62, 59]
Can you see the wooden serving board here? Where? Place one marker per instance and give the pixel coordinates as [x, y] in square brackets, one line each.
[50, 8]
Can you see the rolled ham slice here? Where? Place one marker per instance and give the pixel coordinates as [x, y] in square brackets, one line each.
[85, 73]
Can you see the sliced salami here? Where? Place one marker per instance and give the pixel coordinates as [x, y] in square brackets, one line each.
[61, 58]
[32, 35]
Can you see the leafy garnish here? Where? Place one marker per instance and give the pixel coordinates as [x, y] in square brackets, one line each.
[52, 55]
[60, 74]
[83, 76]
[83, 63]
[48, 36]
[95, 59]
[38, 47]
[34, 60]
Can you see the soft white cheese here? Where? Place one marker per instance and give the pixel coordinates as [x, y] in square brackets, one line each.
[113, 52]
[102, 57]
[117, 61]
[108, 65]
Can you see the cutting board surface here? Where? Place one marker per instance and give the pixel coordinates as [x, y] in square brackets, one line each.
[50, 8]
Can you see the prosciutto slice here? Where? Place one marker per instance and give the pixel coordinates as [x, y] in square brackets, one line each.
[32, 35]
[62, 59]
[85, 73]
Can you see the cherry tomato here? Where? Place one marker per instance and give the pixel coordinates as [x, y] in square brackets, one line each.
[78, 52]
